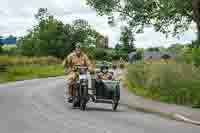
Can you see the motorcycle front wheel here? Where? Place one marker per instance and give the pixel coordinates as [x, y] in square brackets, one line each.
[84, 98]
[83, 105]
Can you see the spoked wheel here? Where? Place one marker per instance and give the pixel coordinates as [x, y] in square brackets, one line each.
[84, 98]
[114, 106]
[83, 104]
[75, 103]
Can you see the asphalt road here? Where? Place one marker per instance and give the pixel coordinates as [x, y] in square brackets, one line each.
[37, 106]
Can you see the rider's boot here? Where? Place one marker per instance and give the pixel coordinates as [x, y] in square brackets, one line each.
[71, 94]
[76, 94]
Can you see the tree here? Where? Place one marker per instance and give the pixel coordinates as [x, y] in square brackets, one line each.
[1, 44]
[175, 48]
[42, 14]
[127, 39]
[153, 49]
[1, 49]
[51, 37]
[167, 16]
[101, 41]
[81, 31]
[117, 48]
[84, 33]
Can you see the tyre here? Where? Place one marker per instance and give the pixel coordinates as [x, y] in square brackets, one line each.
[83, 105]
[84, 98]
[114, 106]
[115, 103]
[75, 103]
[117, 94]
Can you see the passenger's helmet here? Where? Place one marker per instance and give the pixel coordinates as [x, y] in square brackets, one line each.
[114, 67]
[104, 68]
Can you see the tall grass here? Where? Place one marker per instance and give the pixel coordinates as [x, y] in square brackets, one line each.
[23, 72]
[22, 67]
[23, 60]
[172, 82]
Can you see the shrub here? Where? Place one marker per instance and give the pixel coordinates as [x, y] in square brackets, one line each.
[1, 49]
[9, 50]
[166, 57]
[196, 56]
[100, 54]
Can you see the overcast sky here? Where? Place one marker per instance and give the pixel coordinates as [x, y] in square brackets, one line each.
[16, 16]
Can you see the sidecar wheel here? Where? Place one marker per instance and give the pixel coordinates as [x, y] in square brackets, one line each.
[115, 105]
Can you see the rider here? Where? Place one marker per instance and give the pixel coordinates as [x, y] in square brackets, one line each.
[104, 73]
[121, 63]
[77, 57]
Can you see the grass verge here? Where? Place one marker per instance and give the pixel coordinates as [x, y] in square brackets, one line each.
[24, 72]
[170, 83]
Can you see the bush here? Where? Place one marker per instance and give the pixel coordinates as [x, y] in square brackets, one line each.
[166, 57]
[196, 56]
[1, 49]
[104, 54]
[117, 55]
[172, 83]
[101, 54]
[191, 54]
[9, 50]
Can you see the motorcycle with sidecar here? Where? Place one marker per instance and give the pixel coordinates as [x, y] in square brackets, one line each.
[89, 88]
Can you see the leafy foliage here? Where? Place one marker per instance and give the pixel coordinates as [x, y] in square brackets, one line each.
[196, 56]
[1, 49]
[51, 37]
[155, 49]
[167, 16]
[127, 39]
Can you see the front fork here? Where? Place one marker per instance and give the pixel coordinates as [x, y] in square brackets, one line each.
[82, 92]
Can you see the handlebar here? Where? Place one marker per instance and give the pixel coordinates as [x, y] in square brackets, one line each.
[80, 67]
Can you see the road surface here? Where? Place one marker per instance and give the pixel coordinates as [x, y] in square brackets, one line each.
[37, 106]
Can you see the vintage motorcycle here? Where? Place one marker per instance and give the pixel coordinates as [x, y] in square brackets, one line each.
[89, 88]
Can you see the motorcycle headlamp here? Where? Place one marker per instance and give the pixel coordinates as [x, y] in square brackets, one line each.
[84, 82]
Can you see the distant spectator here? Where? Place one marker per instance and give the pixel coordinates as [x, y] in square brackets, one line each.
[121, 63]
[131, 57]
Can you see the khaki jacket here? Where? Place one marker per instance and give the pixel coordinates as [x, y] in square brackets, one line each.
[72, 60]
